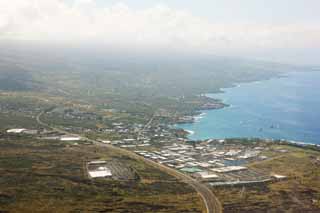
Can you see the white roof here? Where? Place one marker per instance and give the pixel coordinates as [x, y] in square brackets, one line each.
[15, 130]
[205, 165]
[207, 175]
[228, 169]
[97, 162]
[70, 138]
[279, 176]
[102, 171]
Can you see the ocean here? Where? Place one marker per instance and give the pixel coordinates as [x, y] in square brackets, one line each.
[280, 108]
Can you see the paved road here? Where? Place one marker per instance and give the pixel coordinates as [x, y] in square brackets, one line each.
[145, 127]
[211, 202]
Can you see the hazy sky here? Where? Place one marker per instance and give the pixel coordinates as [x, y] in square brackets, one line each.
[245, 11]
[287, 30]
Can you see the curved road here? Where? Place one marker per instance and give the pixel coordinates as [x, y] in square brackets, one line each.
[211, 202]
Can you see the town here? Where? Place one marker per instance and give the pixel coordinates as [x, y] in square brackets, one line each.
[219, 166]
[214, 162]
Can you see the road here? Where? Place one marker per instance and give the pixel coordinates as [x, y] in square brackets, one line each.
[210, 201]
[145, 127]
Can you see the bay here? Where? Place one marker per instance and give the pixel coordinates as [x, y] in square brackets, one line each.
[280, 108]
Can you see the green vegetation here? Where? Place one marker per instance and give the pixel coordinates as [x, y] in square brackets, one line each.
[132, 82]
[42, 176]
[86, 91]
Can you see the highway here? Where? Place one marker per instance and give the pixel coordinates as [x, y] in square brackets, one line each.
[210, 201]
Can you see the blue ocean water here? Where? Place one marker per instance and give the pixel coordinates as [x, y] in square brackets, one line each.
[280, 108]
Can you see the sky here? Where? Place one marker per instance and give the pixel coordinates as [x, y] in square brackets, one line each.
[252, 11]
[280, 30]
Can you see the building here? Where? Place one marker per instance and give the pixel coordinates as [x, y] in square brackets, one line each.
[207, 175]
[100, 172]
[229, 169]
[191, 169]
[69, 138]
[98, 169]
[16, 131]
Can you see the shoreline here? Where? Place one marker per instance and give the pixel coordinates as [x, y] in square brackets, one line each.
[199, 114]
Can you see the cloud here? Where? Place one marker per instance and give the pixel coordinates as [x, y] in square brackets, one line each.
[158, 26]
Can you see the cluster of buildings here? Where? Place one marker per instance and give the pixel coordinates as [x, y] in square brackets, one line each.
[136, 135]
[210, 161]
[213, 161]
[75, 114]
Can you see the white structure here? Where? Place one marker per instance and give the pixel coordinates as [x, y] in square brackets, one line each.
[66, 138]
[229, 169]
[279, 176]
[205, 165]
[233, 152]
[102, 171]
[249, 154]
[207, 175]
[97, 162]
[16, 131]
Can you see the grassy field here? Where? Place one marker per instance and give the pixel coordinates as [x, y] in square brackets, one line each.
[300, 192]
[17, 120]
[50, 176]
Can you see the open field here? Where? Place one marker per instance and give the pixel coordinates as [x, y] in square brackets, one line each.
[42, 176]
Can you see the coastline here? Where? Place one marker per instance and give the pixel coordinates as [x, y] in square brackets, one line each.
[199, 114]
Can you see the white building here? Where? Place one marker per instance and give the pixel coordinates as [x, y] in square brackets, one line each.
[207, 175]
[67, 138]
[16, 131]
[101, 171]
[229, 169]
